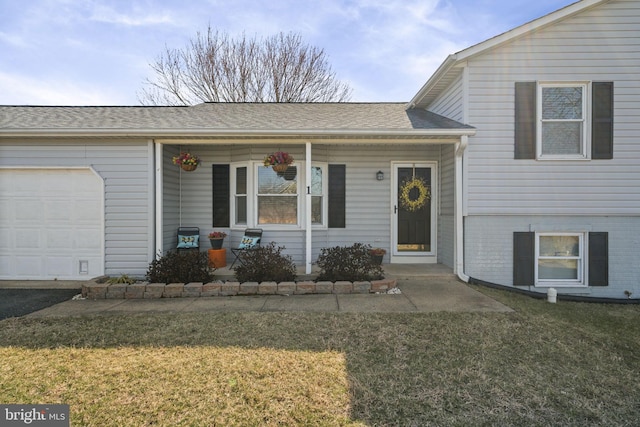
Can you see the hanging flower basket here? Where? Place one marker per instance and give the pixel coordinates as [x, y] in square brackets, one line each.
[189, 168]
[281, 168]
[279, 161]
[414, 194]
[187, 161]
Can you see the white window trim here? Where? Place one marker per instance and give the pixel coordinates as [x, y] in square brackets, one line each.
[586, 121]
[582, 261]
[252, 196]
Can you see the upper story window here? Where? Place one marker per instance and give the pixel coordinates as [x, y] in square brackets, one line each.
[564, 121]
[562, 124]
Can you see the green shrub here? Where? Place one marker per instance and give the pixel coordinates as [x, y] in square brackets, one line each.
[265, 264]
[181, 267]
[352, 263]
[123, 279]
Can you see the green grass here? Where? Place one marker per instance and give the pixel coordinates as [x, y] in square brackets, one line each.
[545, 364]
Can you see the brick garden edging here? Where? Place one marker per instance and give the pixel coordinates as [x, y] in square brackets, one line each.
[220, 288]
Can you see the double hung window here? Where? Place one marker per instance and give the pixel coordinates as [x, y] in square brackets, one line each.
[560, 259]
[264, 197]
[562, 125]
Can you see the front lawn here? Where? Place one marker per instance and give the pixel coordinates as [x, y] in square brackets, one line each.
[563, 364]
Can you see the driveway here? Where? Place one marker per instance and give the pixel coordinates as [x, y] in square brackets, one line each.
[19, 302]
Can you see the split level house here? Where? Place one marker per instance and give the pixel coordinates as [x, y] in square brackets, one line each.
[517, 164]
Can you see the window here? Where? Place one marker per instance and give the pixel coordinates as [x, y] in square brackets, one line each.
[560, 259]
[554, 259]
[241, 191]
[562, 125]
[317, 196]
[262, 197]
[564, 120]
[277, 196]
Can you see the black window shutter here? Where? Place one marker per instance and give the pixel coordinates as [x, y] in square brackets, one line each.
[602, 121]
[221, 195]
[337, 196]
[524, 258]
[525, 120]
[598, 259]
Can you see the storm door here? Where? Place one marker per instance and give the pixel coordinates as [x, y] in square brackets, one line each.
[413, 209]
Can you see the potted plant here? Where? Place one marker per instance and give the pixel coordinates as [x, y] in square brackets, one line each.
[376, 255]
[279, 161]
[187, 161]
[217, 238]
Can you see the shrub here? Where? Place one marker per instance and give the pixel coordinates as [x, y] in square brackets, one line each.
[123, 279]
[181, 267]
[265, 264]
[352, 263]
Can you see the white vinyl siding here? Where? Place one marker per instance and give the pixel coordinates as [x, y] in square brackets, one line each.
[450, 103]
[124, 167]
[600, 44]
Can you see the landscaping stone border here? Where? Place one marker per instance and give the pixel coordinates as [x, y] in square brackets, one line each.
[219, 288]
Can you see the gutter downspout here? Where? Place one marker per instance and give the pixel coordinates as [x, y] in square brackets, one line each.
[459, 220]
[159, 190]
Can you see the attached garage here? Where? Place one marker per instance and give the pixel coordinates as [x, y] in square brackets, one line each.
[51, 224]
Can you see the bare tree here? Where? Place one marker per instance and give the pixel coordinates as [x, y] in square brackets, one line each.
[216, 68]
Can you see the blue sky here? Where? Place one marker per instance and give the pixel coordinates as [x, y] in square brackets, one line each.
[97, 52]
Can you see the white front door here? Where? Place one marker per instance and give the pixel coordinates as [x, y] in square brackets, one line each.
[51, 224]
[414, 214]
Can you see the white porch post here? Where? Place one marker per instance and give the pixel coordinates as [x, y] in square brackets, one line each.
[158, 187]
[307, 214]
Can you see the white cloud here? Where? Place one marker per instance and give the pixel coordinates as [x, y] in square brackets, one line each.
[18, 90]
[137, 18]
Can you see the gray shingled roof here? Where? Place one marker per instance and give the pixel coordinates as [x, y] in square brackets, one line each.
[230, 117]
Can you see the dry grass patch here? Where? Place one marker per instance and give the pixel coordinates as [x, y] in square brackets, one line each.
[134, 386]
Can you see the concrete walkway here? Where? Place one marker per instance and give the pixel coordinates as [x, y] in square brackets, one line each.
[418, 295]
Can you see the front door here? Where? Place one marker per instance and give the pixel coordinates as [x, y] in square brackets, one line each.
[414, 211]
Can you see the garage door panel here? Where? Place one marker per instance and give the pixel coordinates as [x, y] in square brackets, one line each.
[27, 239]
[51, 222]
[88, 211]
[28, 266]
[57, 211]
[27, 210]
[59, 239]
[56, 266]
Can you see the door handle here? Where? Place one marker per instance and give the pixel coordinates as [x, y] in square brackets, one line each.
[395, 209]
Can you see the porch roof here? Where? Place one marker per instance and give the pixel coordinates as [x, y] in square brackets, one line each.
[231, 120]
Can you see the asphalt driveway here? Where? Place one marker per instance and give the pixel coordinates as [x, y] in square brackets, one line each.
[19, 302]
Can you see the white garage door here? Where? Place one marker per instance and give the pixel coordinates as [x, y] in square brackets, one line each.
[51, 224]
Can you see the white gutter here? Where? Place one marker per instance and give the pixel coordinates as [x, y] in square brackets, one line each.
[159, 199]
[459, 219]
[213, 133]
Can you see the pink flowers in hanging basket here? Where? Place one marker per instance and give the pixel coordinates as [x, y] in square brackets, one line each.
[186, 159]
[278, 158]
